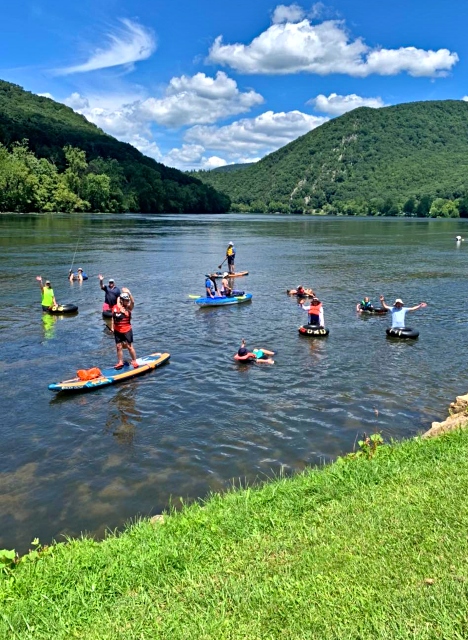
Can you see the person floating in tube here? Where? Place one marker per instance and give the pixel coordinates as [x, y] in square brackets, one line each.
[315, 310]
[365, 305]
[399, 311]
[258, 355]
[48, 297]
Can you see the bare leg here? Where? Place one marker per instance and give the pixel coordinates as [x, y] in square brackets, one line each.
[119, 354]
[133, 354]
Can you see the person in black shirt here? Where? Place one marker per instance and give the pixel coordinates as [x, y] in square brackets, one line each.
[111, 293]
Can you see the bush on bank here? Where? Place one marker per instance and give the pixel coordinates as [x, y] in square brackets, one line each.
[368, 547]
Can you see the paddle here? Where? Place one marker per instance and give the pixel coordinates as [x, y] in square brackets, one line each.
[220, 265]
[194, 297]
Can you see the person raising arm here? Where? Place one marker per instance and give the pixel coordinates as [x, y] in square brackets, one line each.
[399, 311]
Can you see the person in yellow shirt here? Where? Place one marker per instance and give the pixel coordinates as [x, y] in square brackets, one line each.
[48, 297]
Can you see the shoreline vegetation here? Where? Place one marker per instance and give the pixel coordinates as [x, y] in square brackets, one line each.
[371, 546]
[53, 159]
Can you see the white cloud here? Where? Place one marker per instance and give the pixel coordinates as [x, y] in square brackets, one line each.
[46, 95]
[294, 47]
[191, 156]
[288, 13]
[128, 44]
[77, 102]
[335, 105]
[198, 100]
[254, 136]
[465, 98]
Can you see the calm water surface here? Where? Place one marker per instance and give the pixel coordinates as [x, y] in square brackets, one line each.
[92, 462]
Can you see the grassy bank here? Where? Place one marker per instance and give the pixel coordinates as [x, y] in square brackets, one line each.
[360, 549]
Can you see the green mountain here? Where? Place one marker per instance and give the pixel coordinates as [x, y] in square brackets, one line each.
[406, 159]
[86, 169]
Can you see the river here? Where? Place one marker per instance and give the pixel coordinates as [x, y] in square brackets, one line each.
[91, 462]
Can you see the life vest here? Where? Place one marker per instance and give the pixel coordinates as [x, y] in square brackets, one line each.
[315, 309]
[89, 374]
[366, 305]
[122, 321]
[230, 251]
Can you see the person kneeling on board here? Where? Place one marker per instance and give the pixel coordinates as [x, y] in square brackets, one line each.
[121, 327]
[315, 310]
[48, 297]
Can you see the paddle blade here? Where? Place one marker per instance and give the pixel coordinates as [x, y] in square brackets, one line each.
[194, 297]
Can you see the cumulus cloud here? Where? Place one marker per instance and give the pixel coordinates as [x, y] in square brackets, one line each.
[336, 105]
[199, 100]
[191, 156]
[46, 95]
[254, 136]
[128, 44]
[288, 13]
[292, 47]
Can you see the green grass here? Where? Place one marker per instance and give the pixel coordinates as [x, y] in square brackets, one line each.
[361, 549]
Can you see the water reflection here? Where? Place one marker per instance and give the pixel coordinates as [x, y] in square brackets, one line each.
[48, 322]
[123, 416]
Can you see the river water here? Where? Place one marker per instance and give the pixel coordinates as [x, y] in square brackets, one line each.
[92, 462]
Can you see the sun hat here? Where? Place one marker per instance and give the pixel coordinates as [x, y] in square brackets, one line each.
[80, 269]
[398, 300]
[225, 274]
[231, 242]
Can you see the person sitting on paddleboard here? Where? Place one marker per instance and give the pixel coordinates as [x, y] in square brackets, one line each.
[315, 309]
[111, 293]
[48, 297]
[260, 356]
[210, 287]
[365, 305]
[226, 290]
[231, 255]
[76, 276]
[399, 311]
[121, 326]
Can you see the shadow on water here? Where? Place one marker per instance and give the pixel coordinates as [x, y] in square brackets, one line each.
[93, 461]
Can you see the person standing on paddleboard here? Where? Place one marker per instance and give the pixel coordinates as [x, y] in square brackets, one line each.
[112, 293]
[231, 256]
[121, 327]
[48, 297]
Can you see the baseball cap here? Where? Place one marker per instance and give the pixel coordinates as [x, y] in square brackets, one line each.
[230, 242]
[111, 279]
[47, 281]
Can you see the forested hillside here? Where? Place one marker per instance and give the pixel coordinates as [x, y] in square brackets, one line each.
[53, 159]
[409, 159]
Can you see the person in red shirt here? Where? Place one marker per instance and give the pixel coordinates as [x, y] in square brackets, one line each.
[121, 327]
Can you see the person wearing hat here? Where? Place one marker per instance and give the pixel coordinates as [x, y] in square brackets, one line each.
[315, 311]
[226, 290]
[211, 288]
[230, 255]
[76, 276]
[399, 311]
[111, 293]
[121, 327]
[48, 297]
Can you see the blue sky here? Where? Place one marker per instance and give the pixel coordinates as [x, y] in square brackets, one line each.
[200, 84]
